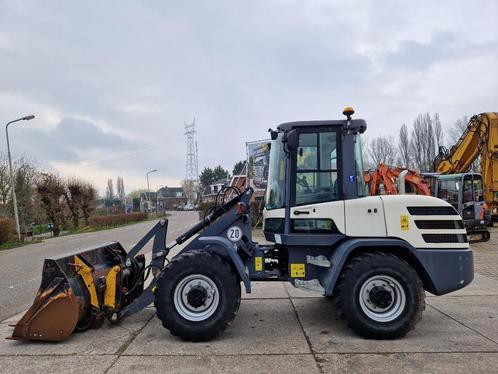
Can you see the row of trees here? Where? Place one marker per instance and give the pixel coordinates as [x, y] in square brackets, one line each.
[415, 147]
[65, 199]
[44, 197]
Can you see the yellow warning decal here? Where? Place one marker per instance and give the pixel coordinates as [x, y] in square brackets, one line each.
[297, 270]
[404, 221]
[258, 263]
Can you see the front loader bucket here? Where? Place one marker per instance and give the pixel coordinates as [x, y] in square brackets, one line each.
[76, 292]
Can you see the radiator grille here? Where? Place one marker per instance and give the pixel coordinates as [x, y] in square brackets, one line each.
[432, 211]
[445, 238]
[439, 224]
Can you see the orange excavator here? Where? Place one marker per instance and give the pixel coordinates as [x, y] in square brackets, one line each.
[388, 180]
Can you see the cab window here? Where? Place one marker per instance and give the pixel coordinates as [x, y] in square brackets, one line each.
[316, 164]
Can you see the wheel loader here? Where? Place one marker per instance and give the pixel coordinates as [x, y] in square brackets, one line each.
[373, 256]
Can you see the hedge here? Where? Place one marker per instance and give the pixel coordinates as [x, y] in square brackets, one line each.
[117, 219]
[7, 230]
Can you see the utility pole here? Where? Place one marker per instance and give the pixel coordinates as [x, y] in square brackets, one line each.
[192, 160]
[12, 179]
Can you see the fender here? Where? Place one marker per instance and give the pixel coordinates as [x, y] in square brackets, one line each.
[226, 249]
[343, 251]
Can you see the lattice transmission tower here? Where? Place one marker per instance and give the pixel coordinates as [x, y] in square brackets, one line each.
[191, 165]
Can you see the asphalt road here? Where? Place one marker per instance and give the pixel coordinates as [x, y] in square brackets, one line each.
[21, 268]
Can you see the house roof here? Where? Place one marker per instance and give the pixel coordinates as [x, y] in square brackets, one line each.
[170, 192]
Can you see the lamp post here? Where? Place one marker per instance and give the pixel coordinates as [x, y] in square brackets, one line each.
[148, 188]
[12, 179]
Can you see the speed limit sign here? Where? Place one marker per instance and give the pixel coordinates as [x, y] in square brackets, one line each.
[234, 234]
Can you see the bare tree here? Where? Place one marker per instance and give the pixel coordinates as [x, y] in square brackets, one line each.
[404, 147]
[458, 129]
[120, 189]
[51, 189]
[87, 204]
[72, 195]
[438, 131]
[25, 174]
[423, 142]
[110, 190]
[383, 150]
[4, 185]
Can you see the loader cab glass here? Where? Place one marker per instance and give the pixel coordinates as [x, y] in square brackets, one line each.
[275, 192]
[316, 167]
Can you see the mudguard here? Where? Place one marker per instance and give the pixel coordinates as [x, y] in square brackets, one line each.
[428, 264]
[226, 249]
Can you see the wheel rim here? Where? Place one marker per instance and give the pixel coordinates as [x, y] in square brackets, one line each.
[196, 297]
[382, 298]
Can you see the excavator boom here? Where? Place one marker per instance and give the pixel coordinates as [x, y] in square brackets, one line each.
[480, 139]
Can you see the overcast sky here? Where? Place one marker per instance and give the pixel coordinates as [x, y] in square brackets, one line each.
[112, 82]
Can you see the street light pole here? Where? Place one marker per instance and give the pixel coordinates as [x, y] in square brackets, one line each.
[12, 179]
[148, 188]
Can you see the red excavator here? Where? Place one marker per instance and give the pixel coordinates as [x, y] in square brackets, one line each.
[387, 180]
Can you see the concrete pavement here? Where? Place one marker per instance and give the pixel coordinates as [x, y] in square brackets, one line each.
[281, 329]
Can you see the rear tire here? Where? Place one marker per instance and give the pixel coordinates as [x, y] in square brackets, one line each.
[379, 296]
[197, 295]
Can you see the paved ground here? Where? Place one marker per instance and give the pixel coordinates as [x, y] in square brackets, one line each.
[281, 329]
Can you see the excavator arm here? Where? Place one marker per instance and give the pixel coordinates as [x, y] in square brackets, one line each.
[388, 177]
[480, 138]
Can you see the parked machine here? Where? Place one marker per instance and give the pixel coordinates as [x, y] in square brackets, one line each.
[478, 141]
[372, 255]
[464, 191]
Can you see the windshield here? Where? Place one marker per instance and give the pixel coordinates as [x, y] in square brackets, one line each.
[275, 192]
[472, 188]
[448, 190]
[361, 186]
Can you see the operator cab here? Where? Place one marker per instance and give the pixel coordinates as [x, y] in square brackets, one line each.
[313, 162]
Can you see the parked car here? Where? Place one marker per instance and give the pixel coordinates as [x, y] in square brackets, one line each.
[180, 207]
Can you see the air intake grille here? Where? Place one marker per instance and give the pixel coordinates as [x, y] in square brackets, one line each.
[439, 224]
[432, 211]
[445, 238]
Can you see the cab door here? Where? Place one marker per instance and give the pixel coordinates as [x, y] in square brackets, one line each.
[317, 206]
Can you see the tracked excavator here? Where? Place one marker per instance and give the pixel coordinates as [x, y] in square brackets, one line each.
[372, 255]
[478, 141]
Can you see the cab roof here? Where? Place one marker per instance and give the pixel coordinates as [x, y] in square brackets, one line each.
[359, 124]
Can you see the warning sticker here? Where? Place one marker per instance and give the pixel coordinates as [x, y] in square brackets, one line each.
[258, 263]
[297, 270]
[404, 221]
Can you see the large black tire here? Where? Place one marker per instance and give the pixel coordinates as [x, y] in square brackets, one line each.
[216, 275]
[386, 316]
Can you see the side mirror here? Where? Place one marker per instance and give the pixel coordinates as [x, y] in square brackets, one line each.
[273, 134]
[291, 140]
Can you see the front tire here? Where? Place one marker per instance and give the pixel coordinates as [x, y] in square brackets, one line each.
[197, 295]
[379, 296]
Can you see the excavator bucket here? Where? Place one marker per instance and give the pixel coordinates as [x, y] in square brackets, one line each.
[78, 290]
